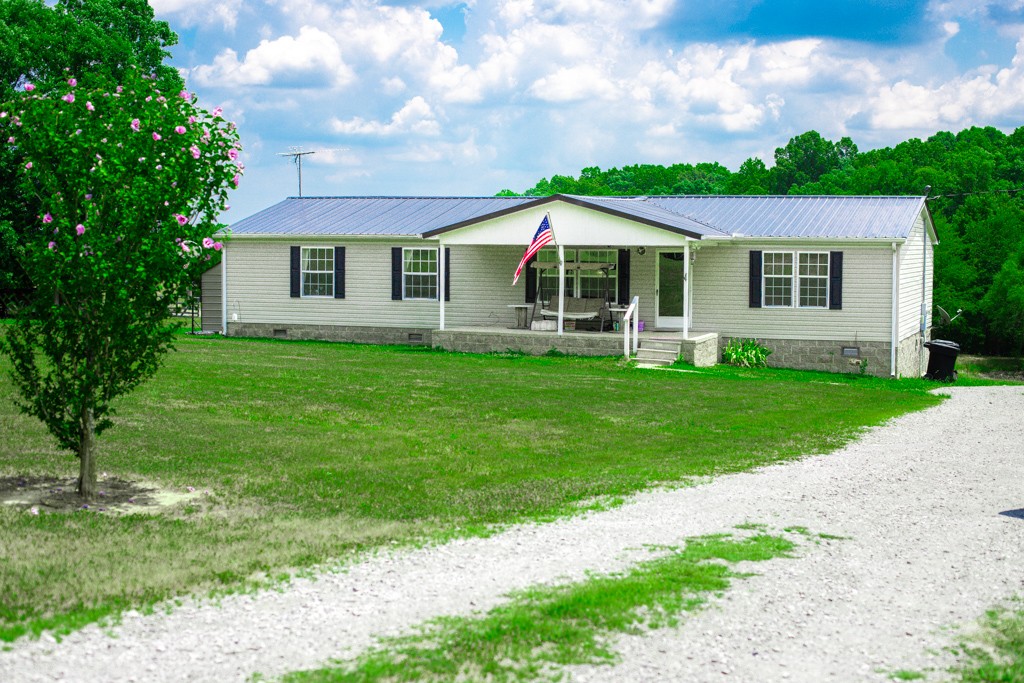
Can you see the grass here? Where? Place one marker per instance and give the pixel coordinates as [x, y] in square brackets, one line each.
[545, 628]
[313, 451]
[997, 654]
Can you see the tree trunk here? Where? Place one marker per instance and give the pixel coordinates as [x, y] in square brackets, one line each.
[87, 456]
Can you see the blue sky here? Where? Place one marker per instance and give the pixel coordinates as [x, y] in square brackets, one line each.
[467, 98]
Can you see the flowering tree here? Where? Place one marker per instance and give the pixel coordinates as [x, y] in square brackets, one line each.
[131, 181]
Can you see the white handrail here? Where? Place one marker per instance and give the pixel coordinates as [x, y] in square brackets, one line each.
[630, 320]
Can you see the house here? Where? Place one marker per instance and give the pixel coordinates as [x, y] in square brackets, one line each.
[839, 283]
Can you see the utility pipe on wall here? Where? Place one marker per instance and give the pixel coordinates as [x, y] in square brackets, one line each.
[895, 308]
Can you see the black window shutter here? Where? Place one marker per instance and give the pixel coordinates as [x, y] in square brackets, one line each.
[339, 272]
[447, 274]
[623, 269]
[396, 273]
[835, 277]
[296, 289]
[531, 281]
[755, 279]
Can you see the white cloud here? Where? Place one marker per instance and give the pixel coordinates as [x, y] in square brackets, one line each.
[415, 117]
[198, 12]
[574, 84]
[986, 96]
[311, 58]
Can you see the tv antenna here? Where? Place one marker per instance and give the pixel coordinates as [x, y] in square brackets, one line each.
[296, 153]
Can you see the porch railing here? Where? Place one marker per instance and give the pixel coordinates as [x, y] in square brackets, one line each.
[631, 321]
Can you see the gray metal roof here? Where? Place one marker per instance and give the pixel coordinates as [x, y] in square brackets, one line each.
[834, 216]
[810, 217]
[386, 216]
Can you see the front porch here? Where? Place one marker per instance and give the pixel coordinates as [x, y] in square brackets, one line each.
[654, 345]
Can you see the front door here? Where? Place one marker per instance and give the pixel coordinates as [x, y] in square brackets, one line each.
[668, 290]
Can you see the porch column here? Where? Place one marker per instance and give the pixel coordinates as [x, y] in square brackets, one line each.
[561, 287]
[686, 289]
[440, 281]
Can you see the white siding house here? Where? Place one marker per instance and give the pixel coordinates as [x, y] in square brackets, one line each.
[835, 283]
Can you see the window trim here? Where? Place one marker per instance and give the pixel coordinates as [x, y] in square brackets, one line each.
[303, 271]
[405, 274]
[795, 280]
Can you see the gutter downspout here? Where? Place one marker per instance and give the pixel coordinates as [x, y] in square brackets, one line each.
[224, 290]
[895, 308]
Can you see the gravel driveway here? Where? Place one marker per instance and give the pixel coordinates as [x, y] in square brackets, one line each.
[931, 505]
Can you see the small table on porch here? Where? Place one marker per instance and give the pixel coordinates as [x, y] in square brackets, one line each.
[617, 313]
[522, 315]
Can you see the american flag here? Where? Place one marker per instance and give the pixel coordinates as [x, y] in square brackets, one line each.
[542, 237]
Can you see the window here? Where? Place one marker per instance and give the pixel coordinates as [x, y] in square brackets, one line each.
[317, 271]
[806, 286]
[778, 279]
[419, 274]
[594, 284]
[578, 282]
[813, 280]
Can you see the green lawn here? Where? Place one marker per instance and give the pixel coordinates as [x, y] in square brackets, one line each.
[312, 451]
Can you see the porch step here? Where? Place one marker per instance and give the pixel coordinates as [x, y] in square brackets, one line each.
[656, 356]
[662, 345]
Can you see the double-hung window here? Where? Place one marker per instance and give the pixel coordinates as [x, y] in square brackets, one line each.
[778, 279]
[419, 274]
[813, 279]
[795, 279]
[318, 271]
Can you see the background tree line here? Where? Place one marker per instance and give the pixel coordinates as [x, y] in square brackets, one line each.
[976, 177]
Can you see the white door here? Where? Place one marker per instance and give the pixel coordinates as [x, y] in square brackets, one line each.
[668, 290]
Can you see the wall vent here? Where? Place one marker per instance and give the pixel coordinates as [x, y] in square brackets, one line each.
[415, 337]
[280, 334]
[851, 352]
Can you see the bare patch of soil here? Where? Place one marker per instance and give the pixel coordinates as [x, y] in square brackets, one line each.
[115, 495]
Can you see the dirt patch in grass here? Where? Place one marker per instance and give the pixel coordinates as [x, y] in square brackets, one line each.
[115, 495]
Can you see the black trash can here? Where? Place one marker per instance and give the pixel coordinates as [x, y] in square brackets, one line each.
[942, 360]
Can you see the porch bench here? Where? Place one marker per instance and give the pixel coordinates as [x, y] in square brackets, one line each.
[579, 309]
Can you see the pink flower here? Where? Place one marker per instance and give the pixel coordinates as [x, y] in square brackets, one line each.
[88, 105]
[156, 136]
[180, 130]
[88, 196]
[47, 218]
[3, 115]
[72, 82]
[69, 98]
[136, 125]
[207, 243]
[217, 246]
[119, 89]
[10, 140]
[185, 95]
[52, 246]
[181, 219]
[237, 179]
[28, 166]
[217, 111]
[191, 119]
[29, 87]
[184, 247]
[80, 229]
[195, 151]
[232, 154]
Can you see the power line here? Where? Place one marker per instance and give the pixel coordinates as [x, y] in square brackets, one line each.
[968, 194]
